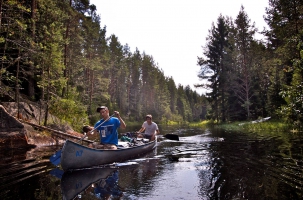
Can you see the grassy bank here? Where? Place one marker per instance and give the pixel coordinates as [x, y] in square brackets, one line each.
[136, 123]
[244, 126]
[270, 125]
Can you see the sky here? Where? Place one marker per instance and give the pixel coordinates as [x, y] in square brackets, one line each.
[173, 32]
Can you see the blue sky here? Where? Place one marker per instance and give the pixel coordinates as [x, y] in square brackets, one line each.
[172, 31]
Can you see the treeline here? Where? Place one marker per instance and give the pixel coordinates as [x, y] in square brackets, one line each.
[248, 78]
[56, 53]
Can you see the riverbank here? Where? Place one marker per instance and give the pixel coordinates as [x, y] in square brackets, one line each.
[20, 127]
[249, 126]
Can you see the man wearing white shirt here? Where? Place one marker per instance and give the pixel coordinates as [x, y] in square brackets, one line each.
[150, 129]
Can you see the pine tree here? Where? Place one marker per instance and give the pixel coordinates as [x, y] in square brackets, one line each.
[214, 68]
[243, 84]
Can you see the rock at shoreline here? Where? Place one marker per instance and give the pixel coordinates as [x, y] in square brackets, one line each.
[20, 134]
[12, 132]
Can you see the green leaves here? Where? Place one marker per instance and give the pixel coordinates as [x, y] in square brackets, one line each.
[69, 111]
[65, 59]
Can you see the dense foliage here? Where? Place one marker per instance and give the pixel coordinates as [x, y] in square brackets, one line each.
[55, 52]
[250, 78]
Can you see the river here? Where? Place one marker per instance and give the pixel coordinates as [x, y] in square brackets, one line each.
[204, 164]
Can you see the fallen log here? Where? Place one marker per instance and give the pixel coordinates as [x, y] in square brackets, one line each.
[56, 132]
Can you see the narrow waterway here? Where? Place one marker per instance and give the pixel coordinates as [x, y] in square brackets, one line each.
[204, 164]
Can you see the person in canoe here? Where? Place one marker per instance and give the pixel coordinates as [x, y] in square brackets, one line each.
[150, 129]
[107, 127]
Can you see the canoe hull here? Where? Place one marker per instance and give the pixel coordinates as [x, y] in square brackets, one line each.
[76, 156]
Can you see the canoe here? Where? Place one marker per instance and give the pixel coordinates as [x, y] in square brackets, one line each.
[76, 156]
[75, 182]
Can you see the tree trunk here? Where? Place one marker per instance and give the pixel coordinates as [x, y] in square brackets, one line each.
[47, 97]
[65, 72]
[17, 85]
[31, 81]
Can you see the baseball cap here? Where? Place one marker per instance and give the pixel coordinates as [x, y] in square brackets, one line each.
[101, 107]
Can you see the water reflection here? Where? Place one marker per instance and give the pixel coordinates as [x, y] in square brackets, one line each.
[22, 173]
[252, 166]
[101, 183]
[210, 164]
[109, 182]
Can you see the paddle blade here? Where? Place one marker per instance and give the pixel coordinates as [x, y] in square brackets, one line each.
[57, 173]
[172, 137]
[55, 159]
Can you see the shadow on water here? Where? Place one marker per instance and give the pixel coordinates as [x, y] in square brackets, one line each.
[204, 164]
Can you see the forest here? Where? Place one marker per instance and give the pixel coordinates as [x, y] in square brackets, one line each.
[250, 78]
[56, 53]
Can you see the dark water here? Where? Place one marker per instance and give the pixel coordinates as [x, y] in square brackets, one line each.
[204, 164]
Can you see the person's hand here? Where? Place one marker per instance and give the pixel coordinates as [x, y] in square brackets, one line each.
[87, 129]
[117, 113]
[91, 130]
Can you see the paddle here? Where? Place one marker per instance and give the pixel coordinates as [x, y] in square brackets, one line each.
[98, 126]
[171, 136]
[55, 159]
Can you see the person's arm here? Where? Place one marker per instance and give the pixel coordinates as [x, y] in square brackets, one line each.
[122, 123]
[141, 130]
[157, 129]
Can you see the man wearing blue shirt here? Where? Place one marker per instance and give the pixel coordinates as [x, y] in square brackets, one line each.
[107, 128]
